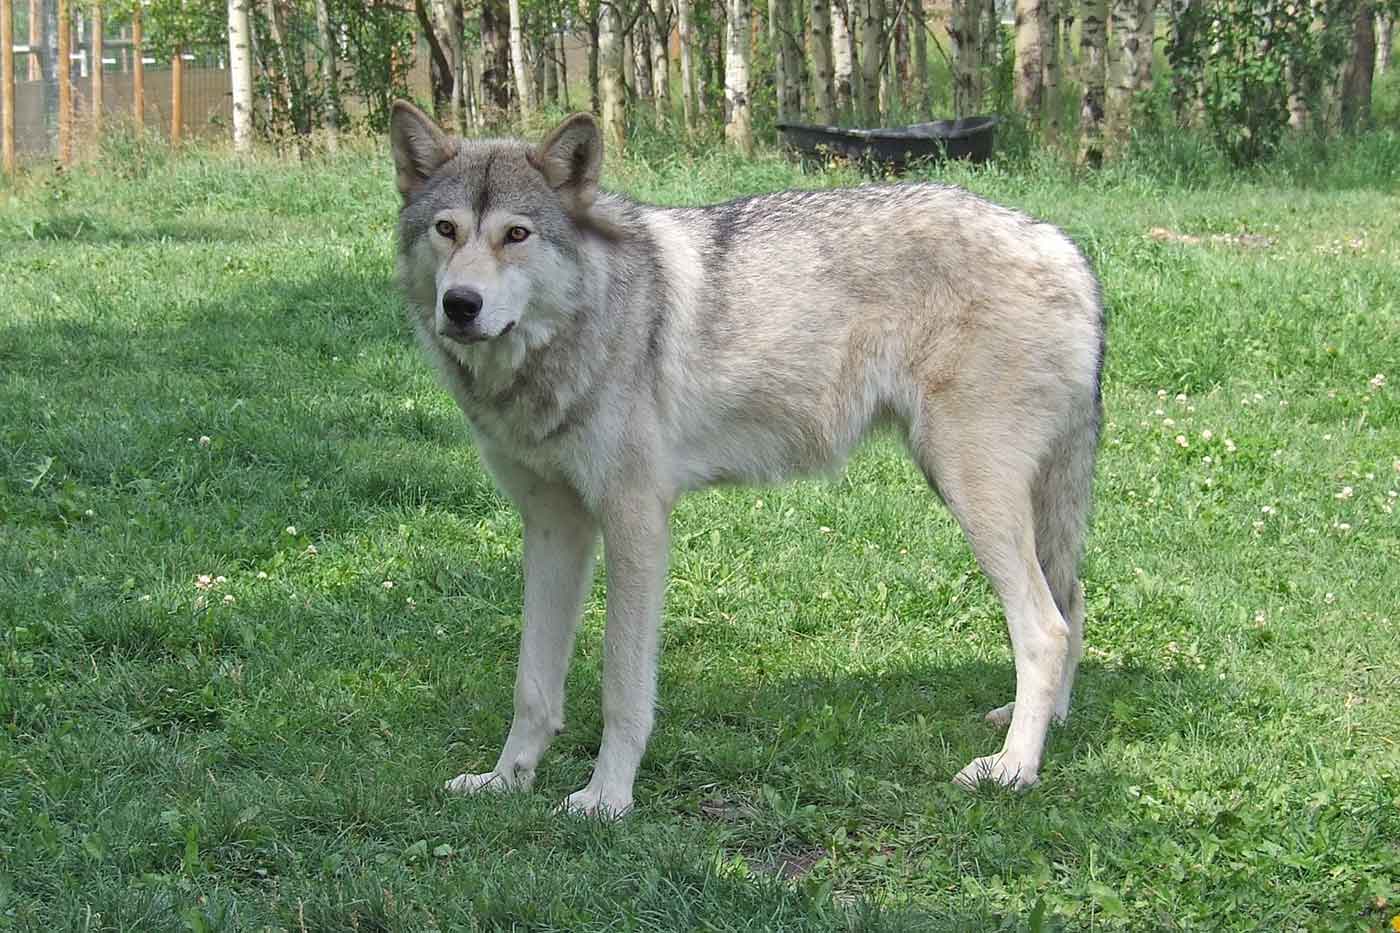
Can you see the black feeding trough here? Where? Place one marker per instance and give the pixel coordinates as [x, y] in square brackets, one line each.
[894, 147]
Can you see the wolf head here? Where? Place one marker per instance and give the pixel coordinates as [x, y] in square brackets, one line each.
[490, 230]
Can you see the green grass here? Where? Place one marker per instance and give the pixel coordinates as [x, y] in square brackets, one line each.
[267, 753]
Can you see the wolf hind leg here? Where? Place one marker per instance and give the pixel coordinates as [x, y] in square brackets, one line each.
[986, 482]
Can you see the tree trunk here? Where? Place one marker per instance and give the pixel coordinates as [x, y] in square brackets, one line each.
[640, 48]
[1358, 71]
[738, 127]
[613, 87]
[450, 59]
[872, 43]
[1123, 71]
[1050, 67]
[1385, 30]
[284, 74]
[523, 92]
[1093, 48]
[777, 12]
[819, 51]
[595, 100]
[687, 64]
[1147, 42]
[330, 76]
[660, 54]
[495, 62]
[902, 67]
[786, 60]
[921, 85]
[790, 31]
[842, 56]
[240, 63]
[964, 34]
[1029, 86]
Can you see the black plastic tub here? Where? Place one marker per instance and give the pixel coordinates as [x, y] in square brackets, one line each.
[894, 147]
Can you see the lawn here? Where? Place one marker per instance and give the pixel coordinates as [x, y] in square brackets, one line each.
[258, 598]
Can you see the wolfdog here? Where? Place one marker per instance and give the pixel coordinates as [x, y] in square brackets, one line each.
[611, 356]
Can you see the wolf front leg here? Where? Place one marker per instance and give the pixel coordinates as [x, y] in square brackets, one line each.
[636, 544]
[560, 542]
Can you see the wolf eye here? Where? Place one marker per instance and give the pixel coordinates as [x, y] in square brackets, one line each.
[446, 228]
[517, 235]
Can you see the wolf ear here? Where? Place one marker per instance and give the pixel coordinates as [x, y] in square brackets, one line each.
[571, 159]
[419, 146]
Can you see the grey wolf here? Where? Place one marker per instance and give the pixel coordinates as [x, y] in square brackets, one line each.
[611, 356]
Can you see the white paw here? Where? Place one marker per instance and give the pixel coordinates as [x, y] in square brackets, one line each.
[997, 769]
[476, 783]
[598, 803]
[1001, 716]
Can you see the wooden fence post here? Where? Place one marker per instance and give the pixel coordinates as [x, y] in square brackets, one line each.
[64, 70]
[7, 84]
[138, 70]
[177, 97]
[97, 53]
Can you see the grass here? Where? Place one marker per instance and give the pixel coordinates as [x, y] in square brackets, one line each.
[204, 371]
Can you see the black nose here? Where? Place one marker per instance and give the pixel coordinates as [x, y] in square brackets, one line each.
[461, 305]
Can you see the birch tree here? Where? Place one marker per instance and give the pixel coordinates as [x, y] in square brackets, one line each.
[786, 60]
[843, 56]
[819, 51]
[1093, 50]
[965, 35]
[495, 62]
[920, 27]
[1385, 30]
[330, 78]
[240, 62]
[683, 26]
[738, 125]
[872, 36]
[1147, 39]
[519, 64]
[660, 56]
[1028, 85]
[1050, 66]
[1123, 70]
[610, 66]
[1358, 69]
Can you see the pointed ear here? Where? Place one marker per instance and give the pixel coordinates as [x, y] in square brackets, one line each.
[571, 159]
[419, 147]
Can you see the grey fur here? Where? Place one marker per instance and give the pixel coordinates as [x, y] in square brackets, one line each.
[627, 353]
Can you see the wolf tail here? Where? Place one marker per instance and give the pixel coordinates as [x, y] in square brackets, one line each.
[1061, 500]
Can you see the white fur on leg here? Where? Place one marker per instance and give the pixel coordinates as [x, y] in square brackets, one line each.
[494, 781]
[1000, 769]
[604, 803]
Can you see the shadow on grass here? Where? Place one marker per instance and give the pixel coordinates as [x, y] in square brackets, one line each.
[96, 228]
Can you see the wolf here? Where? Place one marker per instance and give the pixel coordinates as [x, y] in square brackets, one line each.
[610, 356]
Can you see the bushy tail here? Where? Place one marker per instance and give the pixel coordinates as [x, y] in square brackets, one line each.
[1062, 499]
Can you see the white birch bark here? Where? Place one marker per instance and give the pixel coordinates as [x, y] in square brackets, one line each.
[518, 63]
[683, 26]
[240, 66]
[610, 66]
[738, 124]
